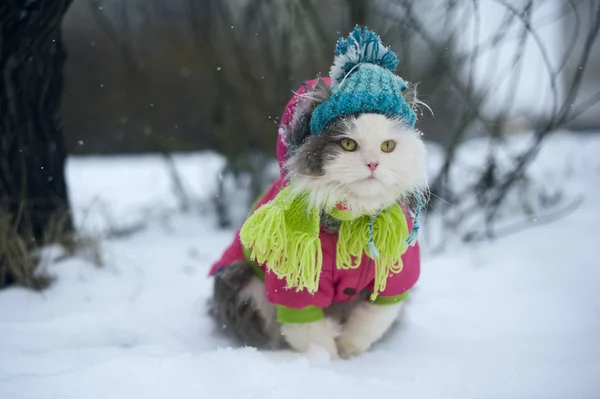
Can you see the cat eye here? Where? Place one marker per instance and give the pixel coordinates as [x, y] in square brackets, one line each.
[388, 146]
[348, 144]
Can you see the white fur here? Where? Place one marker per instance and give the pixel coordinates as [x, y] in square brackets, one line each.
[346, 178]
[255, 293]
[367, 324]
[302, 337]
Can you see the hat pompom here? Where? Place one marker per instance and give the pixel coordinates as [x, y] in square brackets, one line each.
[361, 47]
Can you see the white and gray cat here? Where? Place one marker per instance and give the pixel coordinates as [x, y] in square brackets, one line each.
[368, 161]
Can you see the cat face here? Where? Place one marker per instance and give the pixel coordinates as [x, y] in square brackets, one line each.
[366, 162]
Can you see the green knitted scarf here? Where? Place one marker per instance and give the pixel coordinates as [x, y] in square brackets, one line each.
[284, 235]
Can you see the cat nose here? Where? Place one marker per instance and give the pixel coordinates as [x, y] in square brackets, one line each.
[372, 165]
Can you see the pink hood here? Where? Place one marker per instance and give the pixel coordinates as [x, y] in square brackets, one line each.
[286, 121]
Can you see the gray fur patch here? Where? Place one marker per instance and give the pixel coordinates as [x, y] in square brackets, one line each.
[311, 157]
[242, 323]
[237, 319]
[330, 223]
[300, 129]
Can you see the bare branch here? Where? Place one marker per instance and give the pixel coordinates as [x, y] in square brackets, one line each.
[584, 106]
[123, 42]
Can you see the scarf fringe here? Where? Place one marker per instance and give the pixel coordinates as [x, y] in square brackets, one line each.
[284, 235]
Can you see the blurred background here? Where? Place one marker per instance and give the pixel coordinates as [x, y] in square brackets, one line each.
[165, 76]
[184, 75]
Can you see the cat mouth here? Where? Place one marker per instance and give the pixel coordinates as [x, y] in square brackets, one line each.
[370, 181]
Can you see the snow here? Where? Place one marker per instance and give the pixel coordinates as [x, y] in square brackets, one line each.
[515, 318]
[119, 191]
[542, 54]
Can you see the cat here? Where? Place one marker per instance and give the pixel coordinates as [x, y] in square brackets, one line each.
[368, 161]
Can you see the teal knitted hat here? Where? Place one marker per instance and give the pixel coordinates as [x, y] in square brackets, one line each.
[363, 80]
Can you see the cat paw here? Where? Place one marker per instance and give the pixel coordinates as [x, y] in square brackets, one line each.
[348, 349]
[312, 336]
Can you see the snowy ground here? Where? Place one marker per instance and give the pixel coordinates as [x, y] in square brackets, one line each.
[517, 318]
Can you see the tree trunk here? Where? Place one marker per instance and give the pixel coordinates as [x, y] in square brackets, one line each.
[34, 207]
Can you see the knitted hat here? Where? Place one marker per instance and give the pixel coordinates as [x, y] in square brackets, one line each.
[363, 80]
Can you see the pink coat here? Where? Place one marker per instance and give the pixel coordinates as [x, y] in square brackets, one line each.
[335, 285]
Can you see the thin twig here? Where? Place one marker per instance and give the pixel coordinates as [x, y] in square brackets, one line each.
[527, 224]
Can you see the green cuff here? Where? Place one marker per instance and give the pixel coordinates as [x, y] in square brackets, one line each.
[390, 300]
[308, 314]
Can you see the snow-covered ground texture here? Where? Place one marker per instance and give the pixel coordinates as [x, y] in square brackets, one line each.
[514, 318]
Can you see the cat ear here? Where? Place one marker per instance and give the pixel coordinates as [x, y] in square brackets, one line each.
[410, 95]
[300, 128]
[320, 93]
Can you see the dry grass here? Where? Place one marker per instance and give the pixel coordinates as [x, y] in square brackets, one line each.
[22, 261]
[17, 263]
